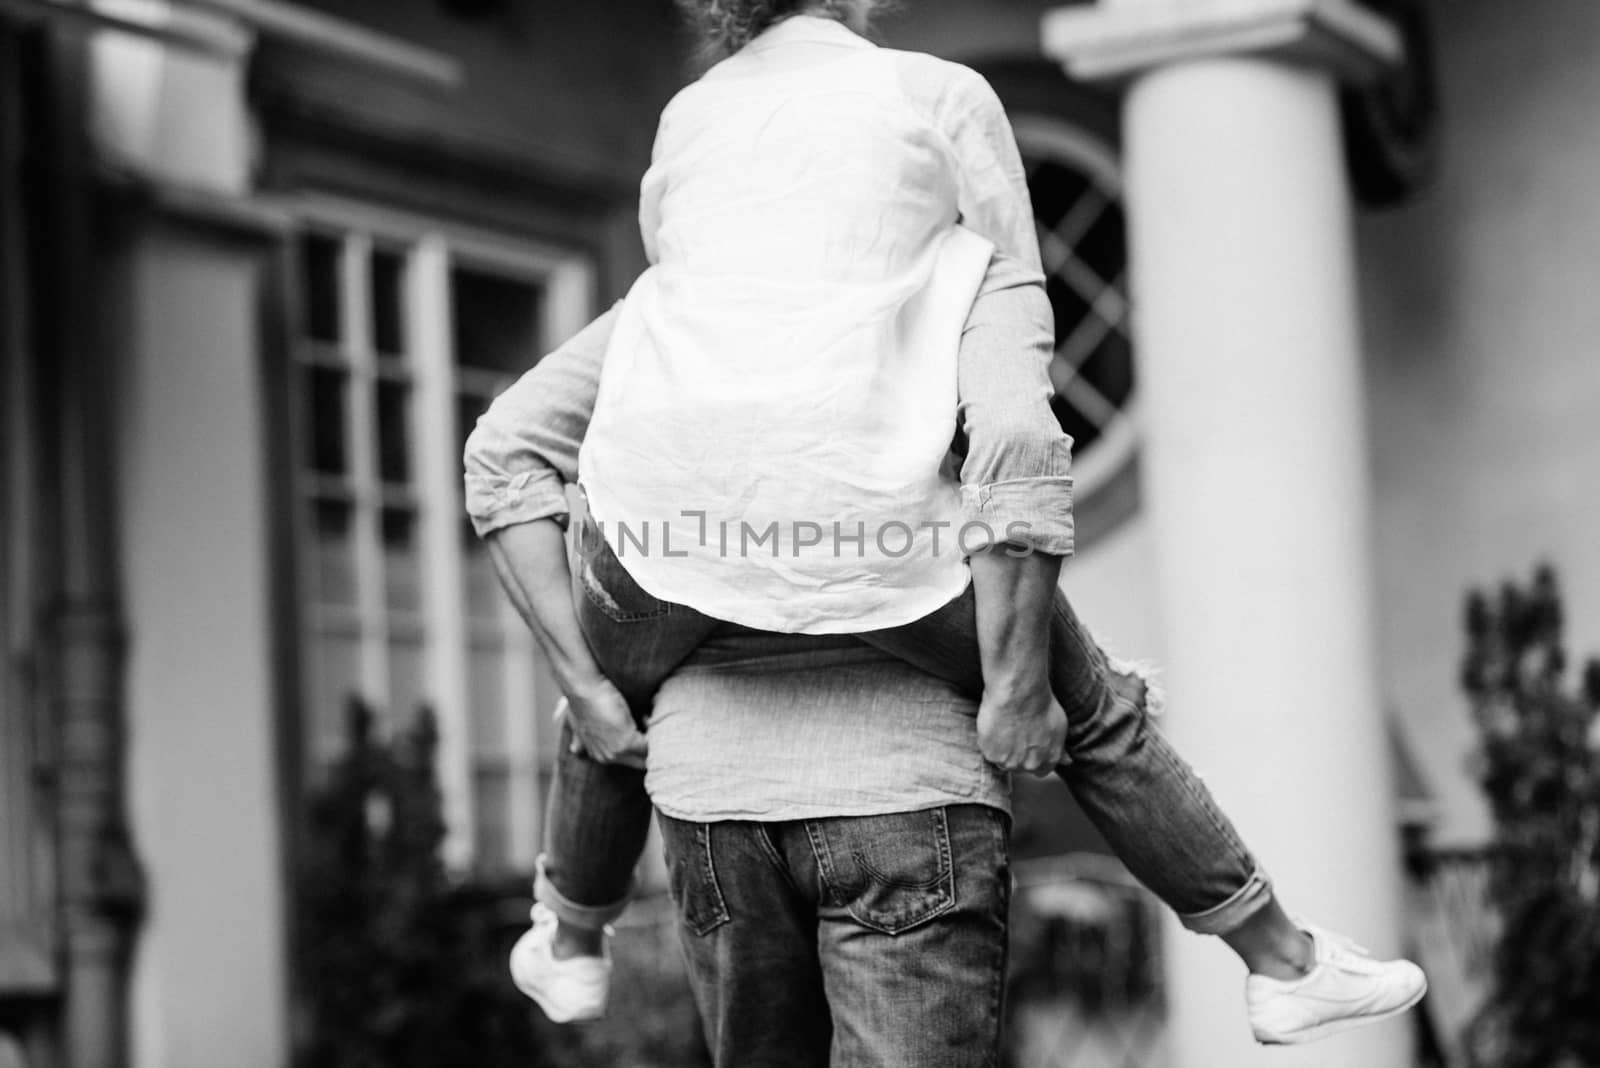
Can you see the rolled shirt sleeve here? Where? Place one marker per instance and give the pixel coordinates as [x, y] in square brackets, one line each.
[523, 451]
[1014, 480]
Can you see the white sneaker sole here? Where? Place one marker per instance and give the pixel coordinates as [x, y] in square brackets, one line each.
[555, 1011]
[1348, 1023]
[555, 1015]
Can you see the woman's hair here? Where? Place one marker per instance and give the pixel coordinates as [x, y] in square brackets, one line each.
[725, 26]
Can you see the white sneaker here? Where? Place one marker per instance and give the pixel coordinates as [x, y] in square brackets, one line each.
[567, 990]
[1345, 988]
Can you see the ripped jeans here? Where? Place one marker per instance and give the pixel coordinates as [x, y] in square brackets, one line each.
[1145, 799]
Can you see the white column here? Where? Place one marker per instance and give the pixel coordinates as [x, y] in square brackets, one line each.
[1255, 463]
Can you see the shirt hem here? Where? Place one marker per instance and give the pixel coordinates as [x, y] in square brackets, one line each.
[791, 813]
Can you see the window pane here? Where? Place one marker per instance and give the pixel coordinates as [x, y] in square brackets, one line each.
[483, 594]
[1055, 190]
[406, 678]
[335, 671]
[388, 320]
[486, 706]
[1110, 367]
[394, 425]
[334, 549]
[491, 788]
[468, 407]
[320, 262]
[402, 571]
[326, 390]
[1104, 246]
[496, 321]
[1070, 306]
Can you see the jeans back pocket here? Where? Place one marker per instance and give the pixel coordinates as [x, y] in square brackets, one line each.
[890, 873]
[613, 592]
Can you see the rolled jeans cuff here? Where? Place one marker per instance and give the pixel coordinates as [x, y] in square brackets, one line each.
[1035, 513]
[586, 917]
[1248, 900]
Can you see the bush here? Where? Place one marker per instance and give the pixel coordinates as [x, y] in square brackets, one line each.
[1539, 769]
[399, 966]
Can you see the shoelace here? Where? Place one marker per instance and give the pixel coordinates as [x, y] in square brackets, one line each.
[1342, 951]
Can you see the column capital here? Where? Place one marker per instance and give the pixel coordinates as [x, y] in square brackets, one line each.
[1116, 40]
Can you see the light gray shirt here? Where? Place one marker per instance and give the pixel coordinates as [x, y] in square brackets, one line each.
[774, 727]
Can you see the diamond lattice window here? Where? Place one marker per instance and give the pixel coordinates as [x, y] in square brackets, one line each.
[1075, 183]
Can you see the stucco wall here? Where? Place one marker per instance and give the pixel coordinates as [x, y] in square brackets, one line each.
[1483, 332]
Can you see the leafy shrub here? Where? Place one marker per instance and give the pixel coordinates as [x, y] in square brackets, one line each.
[1539, 768]
[399, 966]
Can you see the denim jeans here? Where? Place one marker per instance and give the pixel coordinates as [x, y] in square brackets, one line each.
[846, 943]
[1148, 803]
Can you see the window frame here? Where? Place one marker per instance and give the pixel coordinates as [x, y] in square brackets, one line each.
[565, 278]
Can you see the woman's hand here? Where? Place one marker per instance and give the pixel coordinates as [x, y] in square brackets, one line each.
[531, 561]
[602, 725]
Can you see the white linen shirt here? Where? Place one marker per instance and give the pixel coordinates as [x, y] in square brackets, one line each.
[779, 393]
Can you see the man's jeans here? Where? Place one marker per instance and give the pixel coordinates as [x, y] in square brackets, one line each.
[1148, 803]
[844, 943]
